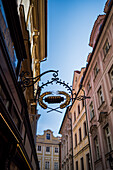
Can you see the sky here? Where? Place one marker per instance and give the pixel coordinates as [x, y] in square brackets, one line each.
[69, 25]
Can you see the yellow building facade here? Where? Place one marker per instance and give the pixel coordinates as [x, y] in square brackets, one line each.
[79, 127]
[47, 147]
[33, 22]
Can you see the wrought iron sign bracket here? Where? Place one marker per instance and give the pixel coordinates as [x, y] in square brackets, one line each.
[27, 81]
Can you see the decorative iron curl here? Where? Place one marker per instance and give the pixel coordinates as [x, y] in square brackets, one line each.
[55, 79]
[27, 81]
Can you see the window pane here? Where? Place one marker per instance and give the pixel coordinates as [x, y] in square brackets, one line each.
[76, 165]
[47, 165]
[56, 150]
[108, 138]
[47, 149]
[96, 148]
[39, 148]
[55, 165]
[48, 136]
[82, 164]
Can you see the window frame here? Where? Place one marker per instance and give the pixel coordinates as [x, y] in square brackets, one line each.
[91, 108]
[39, 150]
[97, 150]
[48, 149]
[88, 86]
[82, 163]
[74, 116]
[78, 109]
[56, 165]
[100, 96]
[106, 47]
[96, 70]
[48, 136]
[47, 165]
[85, 129]
[75, 139]
[56, 150]
[76, 163]
[80, 135]
[106, 138]
[111, 76]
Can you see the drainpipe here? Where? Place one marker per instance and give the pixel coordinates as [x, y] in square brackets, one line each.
[71, 140]
[91, 165]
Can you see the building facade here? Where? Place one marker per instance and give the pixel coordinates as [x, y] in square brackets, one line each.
[98, 84]
[47, 147]
[79, 126]
[18, 113]
[66, 142]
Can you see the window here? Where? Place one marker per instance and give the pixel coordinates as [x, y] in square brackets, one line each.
[78, 109]
[91, 110]
[47, 149]
[39, 163]
[76, 165]
[100, 96]
[5, 97]
[48, 136]
[111, 76]
[88, 86]
[75, 140]
[108, 138]
[96, 70]
[80, 135]
[96, 145]
[106, 47]
[85, 129]
[55, 165]
[82, 163]
[82, 103]
[67, 146]
[87, 162]
[74, 116]
[39, 148]
[47, 165]
[56, 150]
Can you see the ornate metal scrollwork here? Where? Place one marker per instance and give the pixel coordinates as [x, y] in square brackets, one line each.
[27, 81]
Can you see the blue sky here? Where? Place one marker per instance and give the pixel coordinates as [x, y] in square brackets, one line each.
[70, 23]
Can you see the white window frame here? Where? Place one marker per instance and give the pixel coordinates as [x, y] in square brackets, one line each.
[56, 166]
[97, 151]
[91, 108]
[47, 165]
[108, 138]
[56, 150]
[48, 136]
[100, 96]
[39, 146]
[46, 149]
